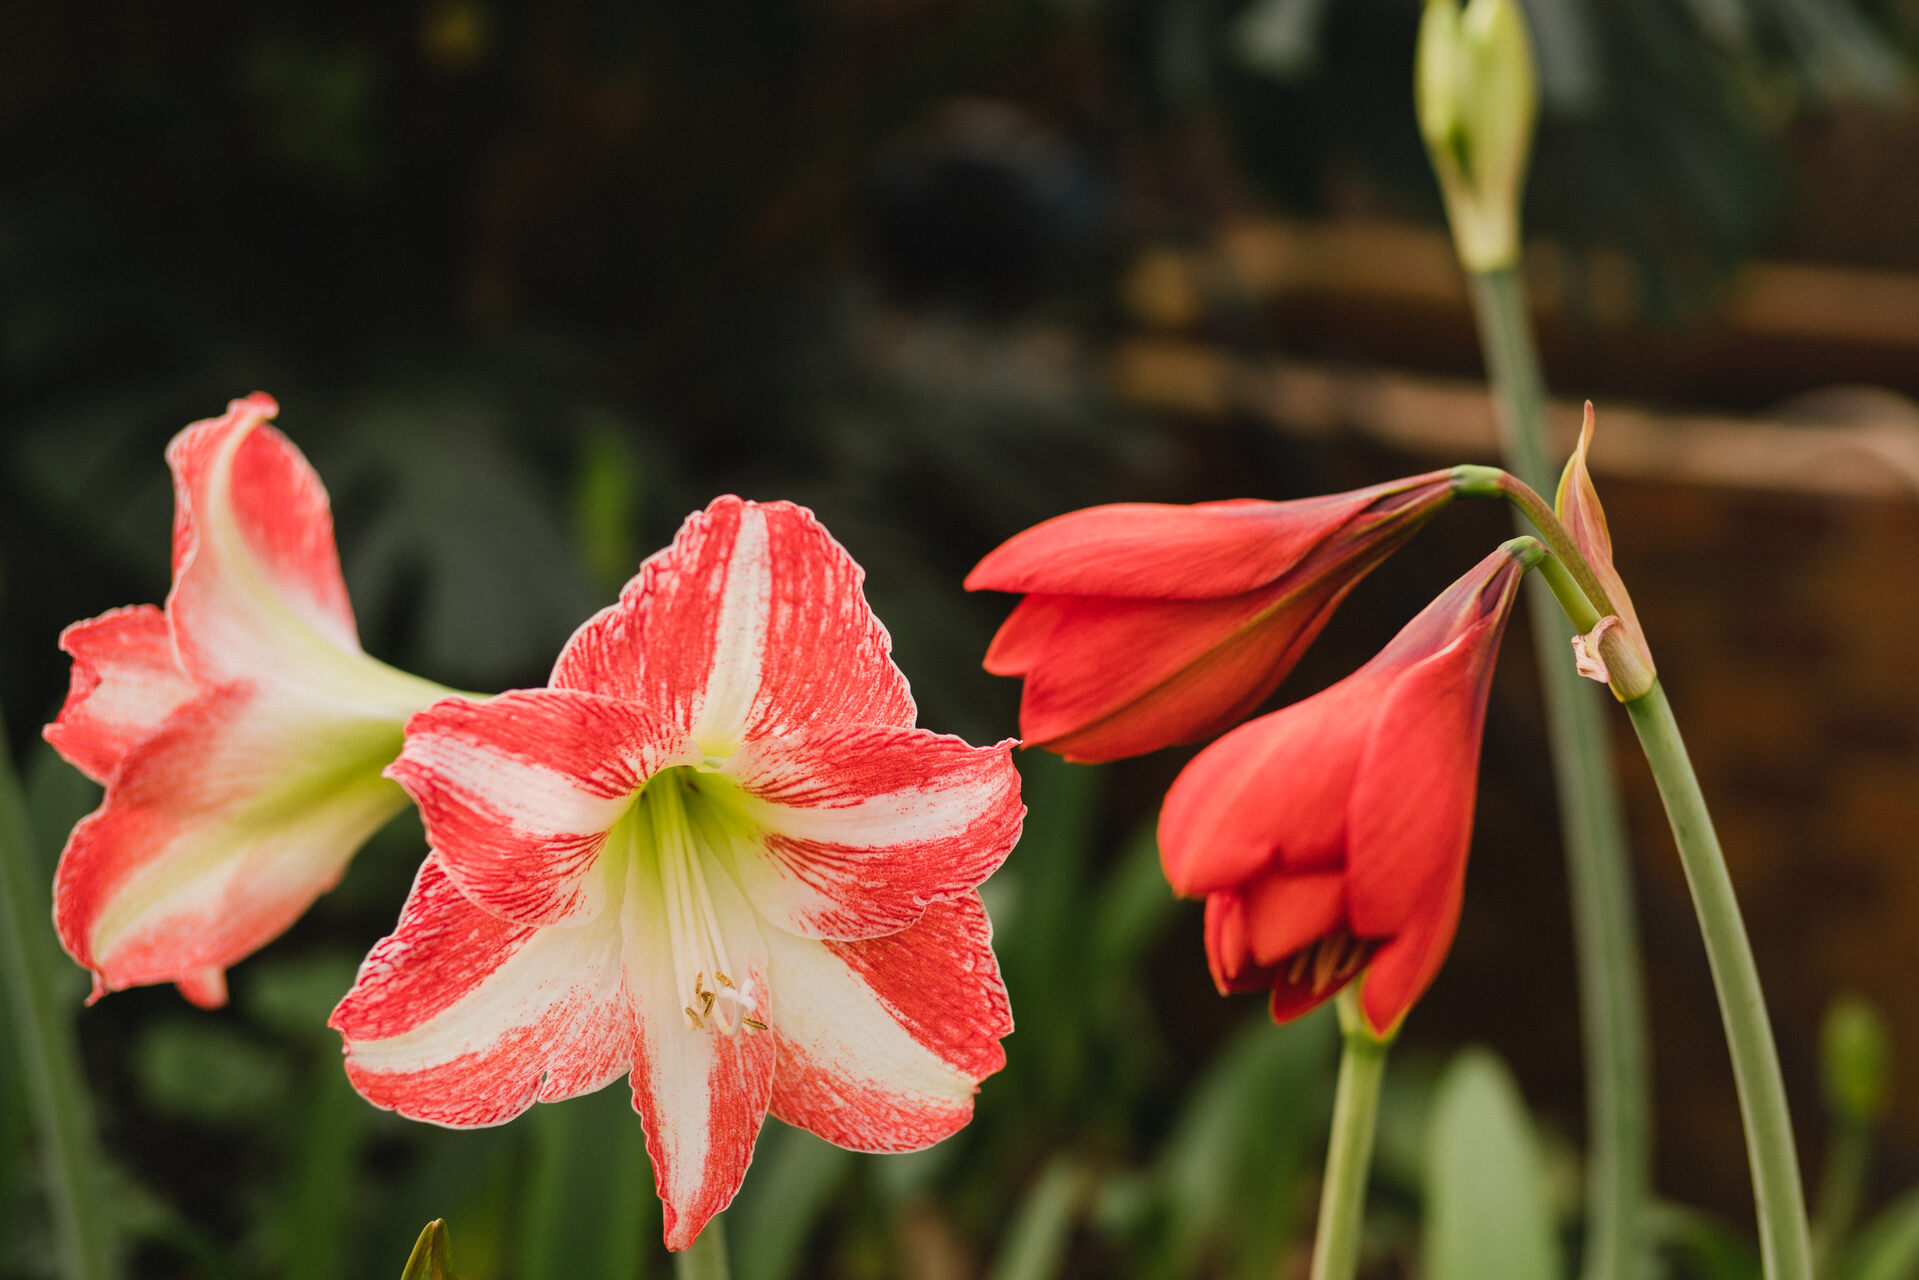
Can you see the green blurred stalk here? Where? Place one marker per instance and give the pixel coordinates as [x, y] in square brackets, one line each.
[1605, 927]
[1841, 1191]
[48, 1049]
[706, 1259]
[1784, 1247]
[1349, 1151]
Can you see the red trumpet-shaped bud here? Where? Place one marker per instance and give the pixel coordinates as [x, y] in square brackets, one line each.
[1146, 625]
[1329, 838]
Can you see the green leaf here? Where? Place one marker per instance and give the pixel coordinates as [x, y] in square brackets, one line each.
[589, 1200]
[432, 1257]
[1036, 1242]
[1700, 1246]
[1888, 1249]
[1488, 1214]
[794, 1176]
[206, 1071]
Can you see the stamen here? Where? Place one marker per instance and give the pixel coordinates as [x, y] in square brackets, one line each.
[696, 940]
[1301, 958]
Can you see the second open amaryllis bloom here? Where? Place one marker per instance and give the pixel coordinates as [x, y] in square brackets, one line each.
[1146, 625]
[716, 854]
[240, 731]
[1329, 838]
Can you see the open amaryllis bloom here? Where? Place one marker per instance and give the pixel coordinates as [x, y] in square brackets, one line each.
[1146, 625]
[715, 853]
[241, 732]
[1329, 838]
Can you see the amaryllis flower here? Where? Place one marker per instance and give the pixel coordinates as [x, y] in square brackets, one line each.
[240, 732]
[715, 853]
[1146, 625]
[1330, 837]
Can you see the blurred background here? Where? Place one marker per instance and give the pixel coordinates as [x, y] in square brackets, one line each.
[531, 282]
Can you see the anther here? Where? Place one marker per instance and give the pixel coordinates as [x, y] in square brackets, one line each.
[754, 1023]
[694, 1020]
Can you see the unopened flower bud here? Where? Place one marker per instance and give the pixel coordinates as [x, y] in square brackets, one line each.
[1474, 90]
[1856, 1060]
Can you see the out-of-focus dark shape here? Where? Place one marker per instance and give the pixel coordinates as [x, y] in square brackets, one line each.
[984, 206]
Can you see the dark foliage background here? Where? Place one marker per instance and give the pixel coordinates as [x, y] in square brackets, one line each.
[533, 281]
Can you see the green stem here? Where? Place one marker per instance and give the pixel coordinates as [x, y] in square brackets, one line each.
[1780, 1202]
[49, 1054]
[1605, 927]
[1848, 1156]
[1349, 1151]
[706, 1258]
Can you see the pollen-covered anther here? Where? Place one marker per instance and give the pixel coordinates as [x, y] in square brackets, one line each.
[1330, 961]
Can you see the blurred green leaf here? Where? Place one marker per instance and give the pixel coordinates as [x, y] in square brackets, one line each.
[1488, 1215]
[1036, 1242]
[294, 995]
[1888, 1247]
[204, 1070]
[1698, 1246]
[1243, 1142]
[589, 1204]
[607, 493]
[432, 1257]
[317, 1201]
[794, 1177]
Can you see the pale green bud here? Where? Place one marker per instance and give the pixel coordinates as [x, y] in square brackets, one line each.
[1474, 89]
[1856, 1060]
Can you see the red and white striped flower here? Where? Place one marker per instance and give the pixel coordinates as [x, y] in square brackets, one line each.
[715, 853]
[241, 732]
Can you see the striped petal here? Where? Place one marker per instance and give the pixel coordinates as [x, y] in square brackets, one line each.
[859, 827]
[701, 1091]
[518, 793]
[883, 1042]
[217, 831]
[464, 1019]
[257, 592]
[126, 681]
[751, 622]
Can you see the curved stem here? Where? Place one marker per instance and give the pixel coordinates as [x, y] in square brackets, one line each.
[705, 1259]
[1605, 928]
[1349, 1151]
[1781, 1203]
[44, 1039]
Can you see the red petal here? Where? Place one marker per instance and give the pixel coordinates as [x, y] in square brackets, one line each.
[883, 1042]
[1152, 550]
[217, 831]
[752, 622]
[1123, 677]
[1228, 955]
[1271, 792]
[1410, 813]
[1286, 911]
[518, 793]
[126, 682]
[1025, 632]
[256, 576]
[1405, 967]
[863, 826]
[464, 1019]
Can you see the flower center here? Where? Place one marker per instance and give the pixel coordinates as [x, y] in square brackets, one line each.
[676, 815]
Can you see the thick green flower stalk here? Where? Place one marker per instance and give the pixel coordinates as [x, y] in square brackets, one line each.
[1475, 93]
